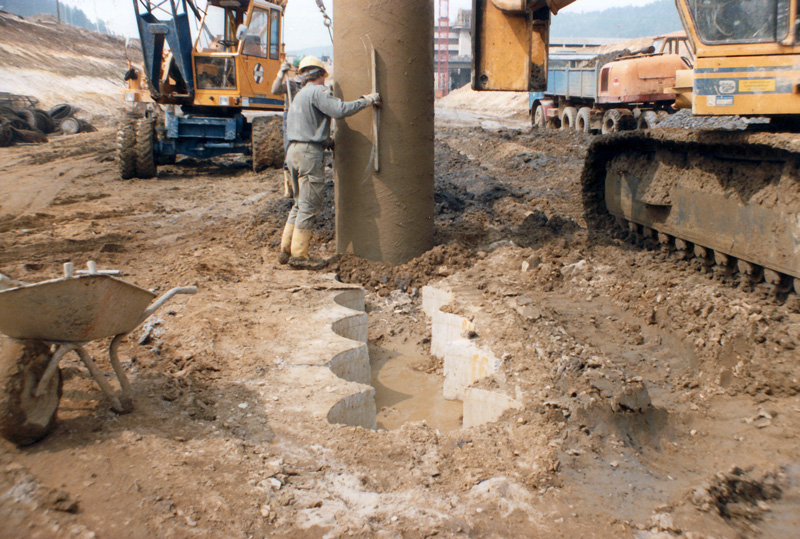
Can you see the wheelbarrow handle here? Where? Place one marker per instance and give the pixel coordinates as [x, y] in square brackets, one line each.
[157, 304]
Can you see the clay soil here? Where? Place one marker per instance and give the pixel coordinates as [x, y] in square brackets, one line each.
[714, 455]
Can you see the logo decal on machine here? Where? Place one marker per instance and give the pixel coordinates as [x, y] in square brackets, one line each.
[258, 73]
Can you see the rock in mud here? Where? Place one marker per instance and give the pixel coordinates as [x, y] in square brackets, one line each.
[633, 397]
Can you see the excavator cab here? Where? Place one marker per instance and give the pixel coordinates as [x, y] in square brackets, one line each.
[747, 57]
[228, 58]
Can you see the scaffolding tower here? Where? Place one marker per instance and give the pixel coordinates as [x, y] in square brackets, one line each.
[443, 50]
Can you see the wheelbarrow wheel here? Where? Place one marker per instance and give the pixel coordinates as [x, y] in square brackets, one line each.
[25, 418]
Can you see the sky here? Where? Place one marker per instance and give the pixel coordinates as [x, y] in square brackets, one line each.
[304, 26]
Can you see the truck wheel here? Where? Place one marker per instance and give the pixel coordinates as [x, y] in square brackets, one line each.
[145, 148]
[582, 121]
[616, 120]
[126, 153]
[25, 418]
[568, 116]
[647, 120]
[267, 142]
[538, 117]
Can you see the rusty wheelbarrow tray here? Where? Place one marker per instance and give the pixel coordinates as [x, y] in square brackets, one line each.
[62, 315]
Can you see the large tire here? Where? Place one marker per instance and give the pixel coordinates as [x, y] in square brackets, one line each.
[267, 142]
[538, 117]
[616, 120]
[6, 134]
[583, 121]
[126, 153]
[568, 116]
[24, 418]
[647, 120]
[145, 148]
[61, 111]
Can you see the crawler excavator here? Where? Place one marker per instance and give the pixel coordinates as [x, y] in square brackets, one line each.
[729, 198]
[194, 91]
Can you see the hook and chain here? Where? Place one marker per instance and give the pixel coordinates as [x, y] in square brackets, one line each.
[326, 19]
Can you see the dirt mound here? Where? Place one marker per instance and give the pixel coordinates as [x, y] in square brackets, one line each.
[504, 104]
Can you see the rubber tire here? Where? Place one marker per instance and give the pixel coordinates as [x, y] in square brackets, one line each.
[44, 122]
[25, 419]
[647, 120]
[539, 120]
[568, 116]
[616, 120]
[267, 142]
[69, 126]
[145, 148]
[126, 153]
[582, 120]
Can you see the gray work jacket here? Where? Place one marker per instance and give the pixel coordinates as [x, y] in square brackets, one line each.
[311, 112]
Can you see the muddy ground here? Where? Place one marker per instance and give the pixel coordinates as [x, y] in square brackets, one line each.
[589, 330]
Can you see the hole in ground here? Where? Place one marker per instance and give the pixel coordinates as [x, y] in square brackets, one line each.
[405, 392]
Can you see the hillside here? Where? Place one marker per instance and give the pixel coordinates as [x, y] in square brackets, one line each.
[61, 63]
[660, 17]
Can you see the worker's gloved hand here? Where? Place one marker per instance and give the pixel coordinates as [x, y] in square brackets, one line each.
[286, 67]
[372, 99]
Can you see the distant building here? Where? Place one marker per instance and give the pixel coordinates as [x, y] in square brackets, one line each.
[459, 50]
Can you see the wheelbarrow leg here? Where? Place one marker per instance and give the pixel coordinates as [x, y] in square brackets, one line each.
[97, 374]
[125, 386]
[62, 349]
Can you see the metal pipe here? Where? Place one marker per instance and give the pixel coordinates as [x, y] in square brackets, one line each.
[385, 215]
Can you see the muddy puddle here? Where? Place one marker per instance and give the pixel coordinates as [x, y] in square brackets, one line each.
[405, 392]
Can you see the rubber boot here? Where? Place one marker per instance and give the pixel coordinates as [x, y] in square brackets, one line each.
[286, 244]
[288, 192]
[301, 240]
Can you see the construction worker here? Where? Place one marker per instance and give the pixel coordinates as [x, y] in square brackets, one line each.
[290, 87]
[308, 127]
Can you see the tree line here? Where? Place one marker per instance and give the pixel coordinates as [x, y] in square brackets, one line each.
[69, 15]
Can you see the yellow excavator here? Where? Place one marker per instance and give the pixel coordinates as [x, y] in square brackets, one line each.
[195, 88]
[730, 198]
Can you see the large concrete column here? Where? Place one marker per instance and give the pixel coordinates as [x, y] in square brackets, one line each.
[385, 215]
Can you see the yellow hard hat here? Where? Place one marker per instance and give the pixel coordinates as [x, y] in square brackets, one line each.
[311, 62]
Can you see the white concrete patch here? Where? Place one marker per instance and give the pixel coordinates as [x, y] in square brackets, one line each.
[332, 370]
[484, 406]
[465, 361]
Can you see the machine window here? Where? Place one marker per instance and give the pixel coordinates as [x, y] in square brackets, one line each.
[740, 21]
[255, 40]
[215, 72]
[275, 35]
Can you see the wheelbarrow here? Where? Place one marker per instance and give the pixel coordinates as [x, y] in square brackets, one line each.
[47, 320]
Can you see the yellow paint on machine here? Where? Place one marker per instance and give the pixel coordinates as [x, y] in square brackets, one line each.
[754, 76]
[757, 85]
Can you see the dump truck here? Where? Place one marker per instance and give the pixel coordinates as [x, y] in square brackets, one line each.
[730, 199]
[195, 88]
[611, 92]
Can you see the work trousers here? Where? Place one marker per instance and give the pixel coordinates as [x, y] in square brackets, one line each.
[306, 169]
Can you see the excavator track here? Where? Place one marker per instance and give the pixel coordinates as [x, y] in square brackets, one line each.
[729, 198]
